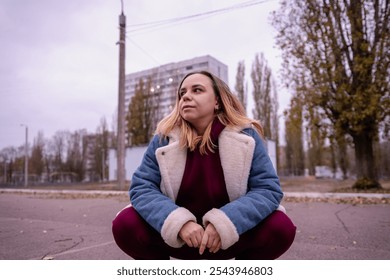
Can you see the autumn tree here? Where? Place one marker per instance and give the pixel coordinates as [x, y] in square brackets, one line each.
[240, 84]
[265, 97]
[261, 82]
[294, 138]
[316, 134]
[143, 109]
[341, 144]
[341, 49]
[383, 152]
[275, 122]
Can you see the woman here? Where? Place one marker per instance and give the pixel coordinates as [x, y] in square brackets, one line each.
[206, 187]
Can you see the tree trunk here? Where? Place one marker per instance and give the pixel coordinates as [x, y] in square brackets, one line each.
[343, 155]
[365, 164]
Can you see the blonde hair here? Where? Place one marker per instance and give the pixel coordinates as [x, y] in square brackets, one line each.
[231, 113]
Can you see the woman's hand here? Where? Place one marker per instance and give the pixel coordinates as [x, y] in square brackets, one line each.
[210, 240]
[191, 233]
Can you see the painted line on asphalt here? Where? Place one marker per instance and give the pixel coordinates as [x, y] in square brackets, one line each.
[53, 256]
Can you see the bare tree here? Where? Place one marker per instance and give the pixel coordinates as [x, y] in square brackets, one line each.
[101, 149]
[57, 149]
[75, 159]
[36, 162]
[9, 155]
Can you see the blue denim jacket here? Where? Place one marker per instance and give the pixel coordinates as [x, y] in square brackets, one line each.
[251, 182]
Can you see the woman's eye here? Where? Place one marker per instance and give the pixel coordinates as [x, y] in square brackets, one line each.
[197, 90]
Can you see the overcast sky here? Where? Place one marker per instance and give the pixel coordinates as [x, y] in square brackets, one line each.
[59, 59]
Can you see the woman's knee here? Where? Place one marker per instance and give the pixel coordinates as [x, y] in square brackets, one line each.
[281, 227]
[269, 240]
[130, 225]
[126, 224]
[136, 237]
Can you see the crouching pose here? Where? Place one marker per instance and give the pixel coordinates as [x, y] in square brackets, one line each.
[206, 187]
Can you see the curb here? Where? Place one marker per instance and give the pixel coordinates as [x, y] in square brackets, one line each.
[66, 192]
[335, 195]
[286, 194]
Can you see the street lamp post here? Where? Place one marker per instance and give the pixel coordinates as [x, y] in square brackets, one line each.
[26, 157]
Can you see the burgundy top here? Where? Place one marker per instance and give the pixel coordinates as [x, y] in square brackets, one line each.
[203, 185]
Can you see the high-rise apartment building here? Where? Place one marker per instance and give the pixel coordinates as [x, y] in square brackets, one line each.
[166, 78]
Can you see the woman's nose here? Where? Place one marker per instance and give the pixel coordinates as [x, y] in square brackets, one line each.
[186, 96]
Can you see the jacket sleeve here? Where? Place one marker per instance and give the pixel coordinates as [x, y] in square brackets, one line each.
[155, 208]
[262, 198]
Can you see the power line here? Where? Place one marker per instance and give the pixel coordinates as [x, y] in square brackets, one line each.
[161, 23]
[149, 25]
[158, 63]
[143, 50]
[135, 28]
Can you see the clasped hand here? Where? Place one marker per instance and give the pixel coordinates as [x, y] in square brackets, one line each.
[194, 235]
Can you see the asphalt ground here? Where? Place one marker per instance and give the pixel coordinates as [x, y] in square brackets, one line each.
[76, 225]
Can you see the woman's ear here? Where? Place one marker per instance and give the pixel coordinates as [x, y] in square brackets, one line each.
[217, 107]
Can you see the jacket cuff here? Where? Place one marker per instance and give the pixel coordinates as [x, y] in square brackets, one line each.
[173, 224]
[281, 208]
[224, 226]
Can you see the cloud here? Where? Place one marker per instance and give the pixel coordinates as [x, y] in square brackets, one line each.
[59, 59]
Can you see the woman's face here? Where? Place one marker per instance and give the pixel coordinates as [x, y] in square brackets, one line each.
[197, 101]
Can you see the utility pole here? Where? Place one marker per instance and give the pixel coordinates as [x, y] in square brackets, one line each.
[121, 102]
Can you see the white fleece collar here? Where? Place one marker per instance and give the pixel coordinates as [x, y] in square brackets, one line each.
[236, 153]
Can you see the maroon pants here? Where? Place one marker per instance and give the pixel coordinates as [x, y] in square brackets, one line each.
[268, 240]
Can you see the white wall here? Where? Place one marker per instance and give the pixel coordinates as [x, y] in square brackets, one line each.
[134, 157]
[271, 149]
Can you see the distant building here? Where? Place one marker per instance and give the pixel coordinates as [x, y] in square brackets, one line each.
[165, 79]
